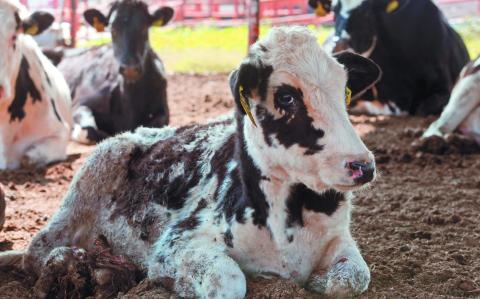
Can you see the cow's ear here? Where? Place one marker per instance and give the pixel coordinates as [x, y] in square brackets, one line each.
[249, 82]
[37, 22]
[96, 19]
[363, 73]
[162, 16]
[321, 7]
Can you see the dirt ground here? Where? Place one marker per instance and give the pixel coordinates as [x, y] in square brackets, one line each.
[418, 226]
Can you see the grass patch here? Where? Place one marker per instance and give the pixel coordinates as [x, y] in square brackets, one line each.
[209, 49]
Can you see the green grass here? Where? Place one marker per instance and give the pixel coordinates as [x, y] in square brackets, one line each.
[210, 49]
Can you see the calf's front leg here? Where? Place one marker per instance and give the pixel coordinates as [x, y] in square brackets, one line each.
[196, 267]
[344, 275]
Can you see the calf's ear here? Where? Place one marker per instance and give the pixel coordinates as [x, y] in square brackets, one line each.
[250, 81]
[96, 19]
[162, 16]
[362, 72]
[37, 22]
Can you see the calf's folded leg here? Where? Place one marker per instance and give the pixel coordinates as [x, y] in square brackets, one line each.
[198, 268]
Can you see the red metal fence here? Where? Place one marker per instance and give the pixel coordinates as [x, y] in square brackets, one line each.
[229, 12]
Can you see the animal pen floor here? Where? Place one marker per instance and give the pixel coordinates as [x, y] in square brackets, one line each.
[418, 226]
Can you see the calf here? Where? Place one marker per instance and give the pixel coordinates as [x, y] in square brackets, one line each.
[463, 110]
[120, 86]
[266, 190]
[35, 101]
[418, 51]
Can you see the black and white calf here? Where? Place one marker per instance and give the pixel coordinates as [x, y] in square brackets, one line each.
[463, 110]
[197, 207]
[419, 53]
[35, 116]
[120, 86]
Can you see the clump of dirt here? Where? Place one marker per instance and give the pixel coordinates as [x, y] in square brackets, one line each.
[450, 144]
[417, 226]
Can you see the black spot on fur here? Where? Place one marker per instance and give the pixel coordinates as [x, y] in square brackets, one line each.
[301, 197]
[295, 126]
[18, 21]
[24, 86]
[228, 238]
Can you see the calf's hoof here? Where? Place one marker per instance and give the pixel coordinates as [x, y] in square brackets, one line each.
[345, 279]
[2, 208]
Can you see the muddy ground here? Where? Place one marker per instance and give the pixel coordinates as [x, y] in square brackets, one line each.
[418, 226]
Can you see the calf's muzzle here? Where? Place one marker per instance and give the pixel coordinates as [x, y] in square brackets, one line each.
[361, 171]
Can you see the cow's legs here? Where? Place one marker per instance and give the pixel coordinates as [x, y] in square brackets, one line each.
[196, 267]
[464, 99]
[345, 275]
[85, 129]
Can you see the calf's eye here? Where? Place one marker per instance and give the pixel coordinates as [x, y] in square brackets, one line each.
[286, 100]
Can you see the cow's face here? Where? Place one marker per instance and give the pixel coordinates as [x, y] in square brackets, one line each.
[297, 97]
[15, 21]
[129, 21]
[356, 22]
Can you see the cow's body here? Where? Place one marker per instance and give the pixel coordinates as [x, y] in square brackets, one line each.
[192, 207]
[419, 53]
[95, 82]
[463, 110]
[120, 86]
[35, 115]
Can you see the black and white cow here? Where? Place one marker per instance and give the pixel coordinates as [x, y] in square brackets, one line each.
[35, 117]
[463, 110]
[266, 190]
[120, 86]
[419, 53]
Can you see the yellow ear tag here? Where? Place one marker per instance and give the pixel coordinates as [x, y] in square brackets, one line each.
[320, 10]
[99, 26]
[32, 30]
[158, 23]
[245, 106]
[348, 96]
[392, 6]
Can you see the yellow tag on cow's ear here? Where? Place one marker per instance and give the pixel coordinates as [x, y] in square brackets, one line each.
[246, 106]
[392, 6]
[158, 23]
[99, 26]
[320, 11]
[348, 96]
[32, 30]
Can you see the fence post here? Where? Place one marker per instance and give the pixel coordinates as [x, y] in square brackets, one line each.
[73, 23]
[253, 21]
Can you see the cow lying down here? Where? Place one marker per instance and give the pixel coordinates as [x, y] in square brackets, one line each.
[462, 113]
[264, 191]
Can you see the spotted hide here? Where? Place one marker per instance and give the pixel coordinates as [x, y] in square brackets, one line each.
[462, 113]
[197, 207]
[119, 86]
[35, 116]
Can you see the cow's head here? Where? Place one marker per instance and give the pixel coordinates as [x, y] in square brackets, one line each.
[15, 22]
[129, 21]
[356, 22]
[297, 96]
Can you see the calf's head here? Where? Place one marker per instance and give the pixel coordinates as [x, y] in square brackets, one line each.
[356, 21]
[129, 21]
[292, 105]
[15, 22]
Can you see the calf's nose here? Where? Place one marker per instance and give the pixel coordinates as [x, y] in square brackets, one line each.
[362, 172]
[131, 73]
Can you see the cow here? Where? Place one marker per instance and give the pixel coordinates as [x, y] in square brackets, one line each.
[419, 53]
[119, 86]
[266, 189]
[463, 110]
[35, 114]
